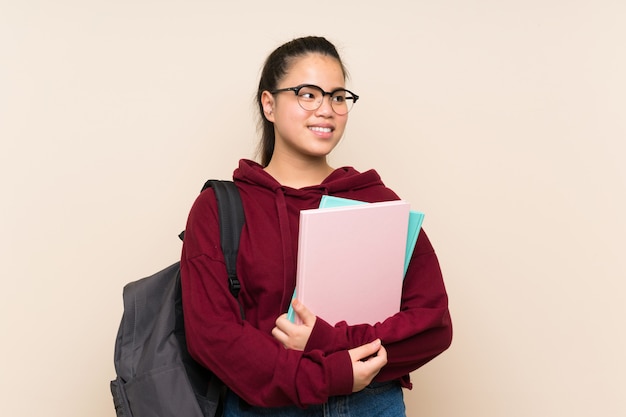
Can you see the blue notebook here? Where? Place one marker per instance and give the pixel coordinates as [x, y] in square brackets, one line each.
[415, 223]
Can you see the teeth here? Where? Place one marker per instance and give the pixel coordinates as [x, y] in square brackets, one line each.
[320, 129]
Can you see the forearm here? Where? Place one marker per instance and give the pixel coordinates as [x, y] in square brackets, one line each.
[247, 360]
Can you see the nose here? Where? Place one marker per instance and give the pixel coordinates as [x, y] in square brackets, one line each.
[326, 107]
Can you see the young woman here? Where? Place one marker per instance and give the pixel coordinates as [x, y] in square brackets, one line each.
[272, 366]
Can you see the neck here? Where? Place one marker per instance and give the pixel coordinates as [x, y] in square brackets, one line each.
[297, 173]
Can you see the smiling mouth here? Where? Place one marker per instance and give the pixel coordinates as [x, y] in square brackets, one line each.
[321, 129]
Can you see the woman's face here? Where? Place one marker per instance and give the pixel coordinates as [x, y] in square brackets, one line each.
[306, 134]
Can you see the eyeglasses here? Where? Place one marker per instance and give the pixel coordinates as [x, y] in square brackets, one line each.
[310, 98]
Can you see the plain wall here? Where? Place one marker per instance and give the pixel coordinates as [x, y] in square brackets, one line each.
[504, 121]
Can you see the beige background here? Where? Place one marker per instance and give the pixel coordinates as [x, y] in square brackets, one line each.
[503, 120]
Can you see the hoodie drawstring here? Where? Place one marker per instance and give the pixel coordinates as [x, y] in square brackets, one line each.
[287, 247]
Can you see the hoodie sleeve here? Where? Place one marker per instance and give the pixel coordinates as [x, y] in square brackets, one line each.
[250, 362]
[418, 333]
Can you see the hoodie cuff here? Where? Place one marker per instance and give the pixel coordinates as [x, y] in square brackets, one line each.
[339, 366]
[326, 338]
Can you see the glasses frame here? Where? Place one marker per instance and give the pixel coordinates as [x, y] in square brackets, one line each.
[296, 91]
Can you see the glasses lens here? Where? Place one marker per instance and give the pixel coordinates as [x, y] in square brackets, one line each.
[310, 97]
[342, 101]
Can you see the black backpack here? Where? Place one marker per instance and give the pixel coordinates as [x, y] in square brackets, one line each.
[156, 376]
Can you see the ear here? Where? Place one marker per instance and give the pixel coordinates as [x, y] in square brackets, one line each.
[267, 100]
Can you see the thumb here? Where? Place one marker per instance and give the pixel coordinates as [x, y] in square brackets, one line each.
[307, 317]
[365, 351]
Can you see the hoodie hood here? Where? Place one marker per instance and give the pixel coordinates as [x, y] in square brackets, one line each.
[273, 211]
[344, 180]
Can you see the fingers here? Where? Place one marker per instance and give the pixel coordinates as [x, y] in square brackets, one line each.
[278, 332]
[379, 359]
[307, 317]
[363, 352]
[367, 361]
[295, 336]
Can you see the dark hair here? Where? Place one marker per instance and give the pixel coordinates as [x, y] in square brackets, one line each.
[276, 66]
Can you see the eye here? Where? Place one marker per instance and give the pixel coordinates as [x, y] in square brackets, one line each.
[309, 94]
[341, 96]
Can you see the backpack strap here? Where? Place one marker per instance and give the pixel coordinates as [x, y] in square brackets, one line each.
[231, 215]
